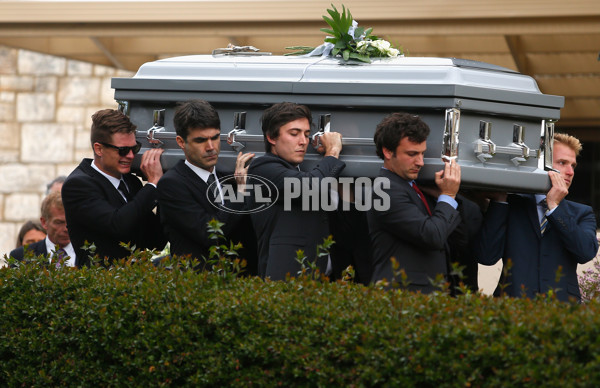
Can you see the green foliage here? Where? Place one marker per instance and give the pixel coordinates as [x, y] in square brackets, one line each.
[136, 324]
[357, 43]
[299, 50]
[310, 268]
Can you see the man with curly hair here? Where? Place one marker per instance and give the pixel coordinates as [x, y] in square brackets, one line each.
[415, 230]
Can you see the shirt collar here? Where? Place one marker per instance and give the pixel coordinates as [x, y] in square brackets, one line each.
[111, 179]
[202, 173]
[51, 248]
[539, 198]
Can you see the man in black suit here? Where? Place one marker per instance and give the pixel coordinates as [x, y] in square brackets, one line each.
[413, 229]
[541, 234]
[57, 244]
[104, 203]
[282, 231]
[186, 191]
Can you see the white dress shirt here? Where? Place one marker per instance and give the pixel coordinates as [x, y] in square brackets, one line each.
[51, 248]
[204, 174]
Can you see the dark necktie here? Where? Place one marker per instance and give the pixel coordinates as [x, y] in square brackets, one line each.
[420, 194]
[123, 189]
[544, 221]
[211, 179]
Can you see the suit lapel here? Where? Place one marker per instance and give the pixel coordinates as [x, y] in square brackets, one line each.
[40, 247]
[412, 194]
[113, 195]
[133, 183]
[416, 199]
[198, 186]
[191, 176]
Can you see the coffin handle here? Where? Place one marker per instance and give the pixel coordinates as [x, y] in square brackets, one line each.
[159, 126]
[239, 125]
[484, 147]
[519, 144]
[547, 143]
[451, 132]
[324, 127]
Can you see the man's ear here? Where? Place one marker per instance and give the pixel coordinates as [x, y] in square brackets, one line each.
[387, 154]
[180, 142]
[97, 147]
[44, 223]
[271, 140]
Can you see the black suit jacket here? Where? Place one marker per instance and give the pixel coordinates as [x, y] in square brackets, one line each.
[186, 210]
[281, 232]
[405, 231]
[512, 231]
[96, 212]
[38, 248]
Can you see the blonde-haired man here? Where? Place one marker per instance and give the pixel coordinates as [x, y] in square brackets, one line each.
[545, 236]
[57, 244]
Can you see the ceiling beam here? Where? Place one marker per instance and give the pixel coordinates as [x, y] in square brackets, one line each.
[115, 62]
[281, 10]
[463, 27]
[514, 46]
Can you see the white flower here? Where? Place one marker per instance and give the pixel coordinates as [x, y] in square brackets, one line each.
[381, 45]
[362, 46]
[393, 52]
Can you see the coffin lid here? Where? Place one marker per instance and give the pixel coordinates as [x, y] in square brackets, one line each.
[415, 76]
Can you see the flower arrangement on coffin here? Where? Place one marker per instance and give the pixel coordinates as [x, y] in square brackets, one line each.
[348, 40]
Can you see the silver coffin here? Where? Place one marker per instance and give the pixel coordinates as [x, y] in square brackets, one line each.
[495, 122]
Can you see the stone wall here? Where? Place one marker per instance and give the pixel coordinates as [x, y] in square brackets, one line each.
[45, 107]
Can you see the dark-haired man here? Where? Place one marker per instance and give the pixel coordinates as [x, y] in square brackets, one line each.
[104, 203]
[415, 229]
[185, 206]
[281, 232]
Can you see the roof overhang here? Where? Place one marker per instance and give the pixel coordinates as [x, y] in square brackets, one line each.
[555, 41]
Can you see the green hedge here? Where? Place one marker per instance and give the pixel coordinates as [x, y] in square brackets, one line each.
[137, 325]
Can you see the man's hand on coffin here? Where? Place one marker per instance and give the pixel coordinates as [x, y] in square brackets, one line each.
[150, 165]
[448, 180]
[331, 144]
[241, 170]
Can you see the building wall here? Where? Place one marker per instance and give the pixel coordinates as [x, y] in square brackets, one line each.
[46, 103]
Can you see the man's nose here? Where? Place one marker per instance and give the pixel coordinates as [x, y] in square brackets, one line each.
[419, 160]
[303, 140]
[210, 144]
[570, 171]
